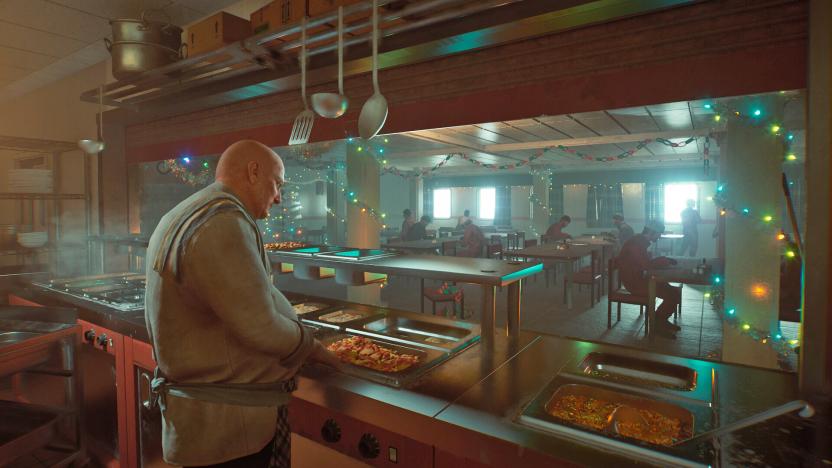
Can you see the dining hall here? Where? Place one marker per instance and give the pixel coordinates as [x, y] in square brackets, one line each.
[418, 233]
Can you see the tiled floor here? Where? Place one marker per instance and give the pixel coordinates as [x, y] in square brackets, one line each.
[543, 311]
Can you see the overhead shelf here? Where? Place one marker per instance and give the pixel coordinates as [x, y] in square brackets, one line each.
[277, 49]
[41, 196]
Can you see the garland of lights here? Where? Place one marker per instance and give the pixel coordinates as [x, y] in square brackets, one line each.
[183, 169]
[416, 175]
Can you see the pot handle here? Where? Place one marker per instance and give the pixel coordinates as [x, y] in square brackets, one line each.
[145, 20]
[108, 44]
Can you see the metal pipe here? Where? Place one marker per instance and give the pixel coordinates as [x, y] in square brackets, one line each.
[418, 24]
[488, 314]
[513, 309]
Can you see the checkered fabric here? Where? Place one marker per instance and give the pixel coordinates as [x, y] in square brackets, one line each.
[282, 449]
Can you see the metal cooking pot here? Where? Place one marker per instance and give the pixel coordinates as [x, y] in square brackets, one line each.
[140, 45]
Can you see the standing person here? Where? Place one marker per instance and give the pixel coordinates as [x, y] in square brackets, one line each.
[466, 216]
[472, 242]
[555, 231]
[226, 341]
[690, 229]
[625, 232]
[407, 223]
[419, 230]
[633, 260]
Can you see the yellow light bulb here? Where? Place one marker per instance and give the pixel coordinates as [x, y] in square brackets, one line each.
[717, 117]
[775, 128]
[793, 342]
[767, 218]
[746, 326]
[781, 236]
[790, 254]
[791, 157]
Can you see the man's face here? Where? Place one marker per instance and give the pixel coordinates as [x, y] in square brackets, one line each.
[564, 223]
[617, 222]
[267, 181]
[653, 236]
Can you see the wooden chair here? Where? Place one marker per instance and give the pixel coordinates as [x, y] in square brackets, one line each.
[496, 239]
[620, 295]
[591, 276]
[449, 248]
[494, 251]
[529, 243]
[393, 240]
[435, 297]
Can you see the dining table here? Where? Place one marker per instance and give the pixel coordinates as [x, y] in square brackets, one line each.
[684, 272]
[421, 246]
[569, 254]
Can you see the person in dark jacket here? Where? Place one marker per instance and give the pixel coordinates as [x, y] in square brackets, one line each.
[419, 230]
[625, 232]
[407, 223]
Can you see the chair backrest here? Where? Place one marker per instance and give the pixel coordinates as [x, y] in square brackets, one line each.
[449, 248]
[529, 243]
[495, 239]
[391, 240]
[512, 240]
[494, 251]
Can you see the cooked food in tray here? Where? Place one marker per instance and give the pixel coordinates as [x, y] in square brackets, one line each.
[286, 245]
[341, 316]
[594, 413]
[308, 307]
[365, 352]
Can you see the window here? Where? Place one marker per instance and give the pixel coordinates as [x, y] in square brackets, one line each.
[441, 203]
[676, 198]
[488, 200]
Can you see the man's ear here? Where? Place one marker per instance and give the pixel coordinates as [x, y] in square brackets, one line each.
[252, 171]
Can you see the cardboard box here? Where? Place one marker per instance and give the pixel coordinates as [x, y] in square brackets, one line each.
[277, 13]
[216, 31]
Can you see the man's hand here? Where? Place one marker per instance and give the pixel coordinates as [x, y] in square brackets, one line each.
[324, 356]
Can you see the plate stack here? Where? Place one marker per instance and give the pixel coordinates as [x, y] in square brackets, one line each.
[30, 181]
[32, 240]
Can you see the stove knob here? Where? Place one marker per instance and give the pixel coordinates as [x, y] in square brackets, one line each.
[102, 340]
[331, 431]
[89, 336]
[368, 446]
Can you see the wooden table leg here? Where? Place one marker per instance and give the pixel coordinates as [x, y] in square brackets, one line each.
[513, 308]
[567, 294]
[651, 305]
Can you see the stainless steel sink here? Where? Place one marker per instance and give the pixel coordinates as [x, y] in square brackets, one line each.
[641, 372]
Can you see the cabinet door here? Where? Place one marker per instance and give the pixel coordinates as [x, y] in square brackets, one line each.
[145, 425]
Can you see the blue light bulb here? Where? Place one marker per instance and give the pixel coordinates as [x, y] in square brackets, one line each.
[732, 311]
[757, 112]
[707, 106]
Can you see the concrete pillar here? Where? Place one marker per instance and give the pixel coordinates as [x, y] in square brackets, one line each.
[751, 168]
[364, 182]
[540, 211]
[816, 333]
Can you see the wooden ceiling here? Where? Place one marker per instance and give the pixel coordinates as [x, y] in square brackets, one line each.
[599, 134]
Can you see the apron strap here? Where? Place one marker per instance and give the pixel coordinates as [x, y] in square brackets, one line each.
[253, 394]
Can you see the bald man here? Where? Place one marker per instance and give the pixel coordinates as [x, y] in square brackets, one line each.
[226, 341]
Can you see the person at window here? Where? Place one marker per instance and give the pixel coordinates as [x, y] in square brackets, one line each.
[473, 241]
[625, 232]
[633, 260]
[690, 230]
[466, 216]
[407, 223]
[419, 230]
[555, 232]
[227, 342]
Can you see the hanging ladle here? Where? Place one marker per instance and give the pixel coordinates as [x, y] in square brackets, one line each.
[331, 105]
[96, 146]
[374, 112]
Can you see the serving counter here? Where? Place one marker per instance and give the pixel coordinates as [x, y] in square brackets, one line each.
[475, 408]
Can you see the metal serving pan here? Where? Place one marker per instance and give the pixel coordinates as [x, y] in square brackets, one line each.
[357, 255]
[428, 358]
[306, 308]
[444, 335]
[311, 250]
[694, 419]
[329, 317]
[639, 372]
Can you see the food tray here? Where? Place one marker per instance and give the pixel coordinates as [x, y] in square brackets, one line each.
[443, 335]
[696, 419]
[303, 308]
[428, 358]
[323, 317]
[24, 428]
[357, 255]
[640, 372]
[311, 250]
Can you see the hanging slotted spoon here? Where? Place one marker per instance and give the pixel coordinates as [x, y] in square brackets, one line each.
[374, 112]
[303, 122]
[331, 105]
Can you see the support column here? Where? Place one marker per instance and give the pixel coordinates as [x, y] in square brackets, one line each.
[751, 168]
[816, 331]
[540, 211]
[364, 185]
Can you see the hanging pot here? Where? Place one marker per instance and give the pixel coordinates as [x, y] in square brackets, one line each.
[143, 44]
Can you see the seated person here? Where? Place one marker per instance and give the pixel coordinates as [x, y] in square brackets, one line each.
[473, 241]
[419, 230]
[625, 232]
[555, 232]
[407, 223]
[633, 260]
[466, 216]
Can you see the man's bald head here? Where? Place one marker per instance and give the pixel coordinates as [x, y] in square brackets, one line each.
[254, 173]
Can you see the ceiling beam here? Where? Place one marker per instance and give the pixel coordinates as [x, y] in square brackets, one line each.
[454, 142]
[598, 140]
